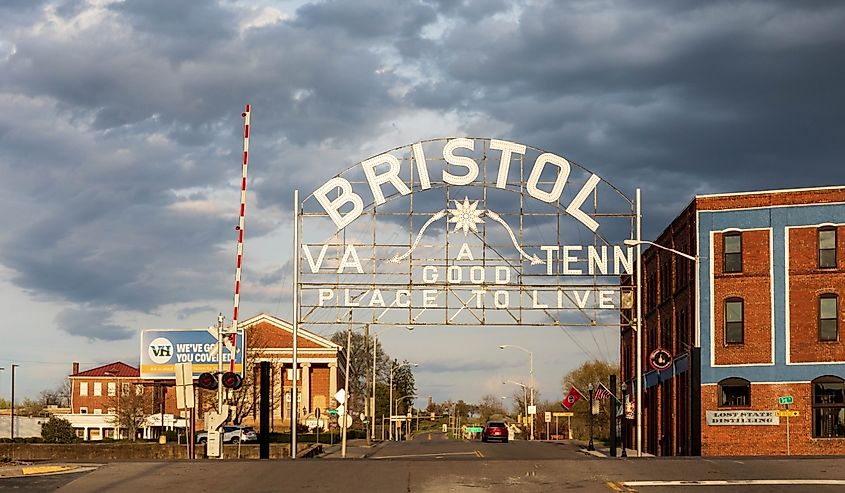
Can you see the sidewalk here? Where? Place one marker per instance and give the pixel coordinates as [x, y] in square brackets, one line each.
[355, 449]
[604, 452]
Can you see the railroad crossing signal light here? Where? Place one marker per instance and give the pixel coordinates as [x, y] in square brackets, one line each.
[232, 380]
[207, 381]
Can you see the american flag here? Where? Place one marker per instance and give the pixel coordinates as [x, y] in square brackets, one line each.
[602, 393]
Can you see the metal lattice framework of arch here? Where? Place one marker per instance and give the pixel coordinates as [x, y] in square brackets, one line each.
[531, 239]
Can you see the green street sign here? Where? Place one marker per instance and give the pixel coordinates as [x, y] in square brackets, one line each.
[784, 400]
[474, 429]
[332, 412]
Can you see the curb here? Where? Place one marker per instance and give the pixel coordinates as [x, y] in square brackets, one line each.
[45, 470]
[594, 453]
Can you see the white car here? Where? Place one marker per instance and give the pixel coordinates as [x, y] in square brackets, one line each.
[232, 434]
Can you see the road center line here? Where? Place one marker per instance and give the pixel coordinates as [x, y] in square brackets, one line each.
[737, 482]
[424, 455]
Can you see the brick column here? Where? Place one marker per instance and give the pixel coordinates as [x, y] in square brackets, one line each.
[332, 384]
[306, 388]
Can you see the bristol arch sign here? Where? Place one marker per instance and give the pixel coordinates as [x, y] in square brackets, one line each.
[464, 231]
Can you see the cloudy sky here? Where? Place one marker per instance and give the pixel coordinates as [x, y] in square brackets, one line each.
[120, 134]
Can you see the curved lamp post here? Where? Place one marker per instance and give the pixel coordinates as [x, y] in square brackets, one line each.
[531, 371]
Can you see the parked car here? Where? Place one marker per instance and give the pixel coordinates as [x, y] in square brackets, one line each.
[495, 430]
[232, 434]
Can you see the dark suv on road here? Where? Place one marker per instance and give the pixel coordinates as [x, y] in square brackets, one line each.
[495, 430]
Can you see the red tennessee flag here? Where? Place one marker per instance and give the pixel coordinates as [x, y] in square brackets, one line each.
[571, 398]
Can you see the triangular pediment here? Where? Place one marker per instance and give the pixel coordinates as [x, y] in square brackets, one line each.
[269, 332]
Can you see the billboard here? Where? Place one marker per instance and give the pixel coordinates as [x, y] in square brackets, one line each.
[161, 349]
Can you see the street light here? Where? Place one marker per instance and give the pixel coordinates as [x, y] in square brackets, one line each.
[408, 427]
[524, 393]
[375, 353]
[639, 394]
[531, 371]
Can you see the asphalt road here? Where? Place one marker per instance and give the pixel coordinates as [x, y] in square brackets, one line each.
[438, 465]
[436, 446]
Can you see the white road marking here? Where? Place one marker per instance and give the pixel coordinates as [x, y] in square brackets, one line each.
[737, 482]
[423, 455]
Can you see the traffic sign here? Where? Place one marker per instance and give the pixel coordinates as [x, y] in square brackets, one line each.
[548, 416]
[474, 429]
[563, 414]
[785, 399]
[332, 412]
[340, 396]
[341, 410]
[532, 409]
[786, 413]
[660, 359]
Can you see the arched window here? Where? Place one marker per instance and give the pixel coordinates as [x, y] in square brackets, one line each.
[828, 315]
[734, 321]
[734, 392]
[829, 407]
[732, 246]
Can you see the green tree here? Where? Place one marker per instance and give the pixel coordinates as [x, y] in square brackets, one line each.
[591, 372]
[403, 385]
[361, 365]
[57, 430]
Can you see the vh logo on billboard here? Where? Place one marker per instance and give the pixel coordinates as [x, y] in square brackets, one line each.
[161, 350]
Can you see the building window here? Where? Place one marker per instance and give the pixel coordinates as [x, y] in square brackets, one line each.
[112, 389]
[827, 248]
[83, 410]
[125, 389]
[733, 252]
[83, 388]
[829, 407]
[98, 411]
[98, 388]
[734, 392]
[828, 310]
[112, 410]
[139, 389]
[734, 332]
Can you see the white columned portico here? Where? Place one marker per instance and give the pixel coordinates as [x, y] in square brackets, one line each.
[306, 387]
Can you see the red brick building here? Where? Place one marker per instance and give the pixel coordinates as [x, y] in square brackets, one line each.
[758, 317]
[271, 339]
[94, 400]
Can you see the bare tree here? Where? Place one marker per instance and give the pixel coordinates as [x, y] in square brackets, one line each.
[132, 405]
[490, 406]
[244, 401]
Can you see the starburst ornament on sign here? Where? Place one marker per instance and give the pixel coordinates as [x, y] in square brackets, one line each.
[466, 216]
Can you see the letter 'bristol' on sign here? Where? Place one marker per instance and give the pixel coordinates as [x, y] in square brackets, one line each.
[347, 196]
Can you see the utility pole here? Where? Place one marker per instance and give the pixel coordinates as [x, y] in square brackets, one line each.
[367, 402]
[375, 351]
[591, 446]
[12, 434]
[346, 385]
